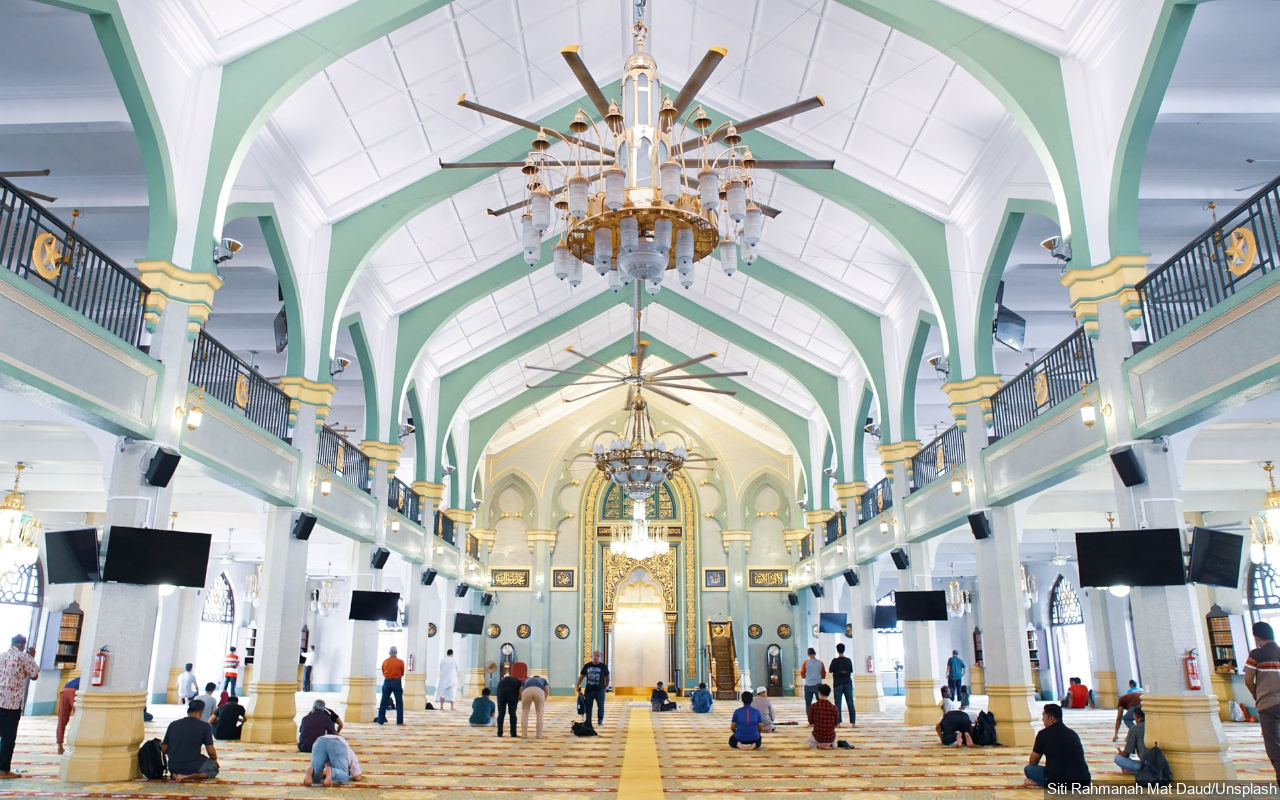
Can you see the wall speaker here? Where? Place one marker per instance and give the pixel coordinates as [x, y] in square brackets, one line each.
[792, 599]
[817, 589]
[461, 590]
[851, 577]
[980, 524]
[160, 468]
[379, 557]
[900, 559]
[302, 525]
[1127, 467]
[429, 577]
[486, 599]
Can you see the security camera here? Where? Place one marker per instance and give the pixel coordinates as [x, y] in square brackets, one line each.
[940, 365]
[449, 469]
[338, 366]
[830, 472]
[225, 250]
[1058, 247]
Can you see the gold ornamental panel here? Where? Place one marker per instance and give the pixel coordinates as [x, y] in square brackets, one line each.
[1040, 389]
[241, 392]
[777, 579]
[615, 568]
[1242, 251]
[509, 579]
[581, 237]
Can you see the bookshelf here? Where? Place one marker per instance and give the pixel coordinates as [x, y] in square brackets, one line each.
[1033, 648]
[1228, 642]
[67, 625]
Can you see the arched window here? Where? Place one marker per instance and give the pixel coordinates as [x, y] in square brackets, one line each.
[399, 623]
[1065, 608]
[21, 588]
[219, 603]
[1263, 591]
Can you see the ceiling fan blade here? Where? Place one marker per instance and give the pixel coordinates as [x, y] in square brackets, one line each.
[700, 458]
[585, 357]
[694, 389]
[704, 376]
[583, 75]
[589, 394]
[480, 164]
[524, 123]
[641, 351]
[681, 365]
[758, 122]
[566, 385]
[668, 395]
[563, 371]
[39, 196]
[24, 173]
[699, 77]
[1241, 189]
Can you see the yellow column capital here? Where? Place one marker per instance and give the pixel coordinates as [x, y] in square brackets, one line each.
[382, 452]
[534, 537]
[167, 281]
[961, 394]
[427, 490]
[729, 537]
[818, 516]
[460, 515]
[848, 493]
[792, 537]
[484, 536]
[305, 391]
[1113, 280]
[895, 453]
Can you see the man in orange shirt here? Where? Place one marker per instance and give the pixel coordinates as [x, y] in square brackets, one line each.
[230, 671]
[392, 684]
[66, 707]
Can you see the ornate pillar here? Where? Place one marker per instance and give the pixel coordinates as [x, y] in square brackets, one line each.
[542, 544]
[418, 614]
[919, 643]
[868, 694]
[736, 545]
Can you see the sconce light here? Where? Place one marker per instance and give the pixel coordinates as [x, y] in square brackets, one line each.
[839, 549]
[1088, 411]
[439, 549]
[394, 519]
[1118, 591]
[325, 483]
[885, 522]
[193, 412]
[737, 578]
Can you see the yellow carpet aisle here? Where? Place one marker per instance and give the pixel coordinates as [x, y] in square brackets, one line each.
[638, 755]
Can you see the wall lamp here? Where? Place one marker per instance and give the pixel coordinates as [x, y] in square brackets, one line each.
[325, 482]
[192, 411]
[1088, 411]
[959, 480]
[394, 519]
[885, 522]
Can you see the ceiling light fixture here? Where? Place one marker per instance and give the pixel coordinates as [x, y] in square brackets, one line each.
[958, 600]
[19, 530]
[636, 541]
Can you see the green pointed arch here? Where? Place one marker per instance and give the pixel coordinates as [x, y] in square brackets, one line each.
[911, 373]
[278, 250]
[859, 465]
[368, 376]
[419, 433]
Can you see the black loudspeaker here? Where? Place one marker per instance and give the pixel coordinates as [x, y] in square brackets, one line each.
[851, 577]
[980, 524]
[792, 599]
[486, 599]
[900, 559]
[461, 590]
[817, 590]
[429, 577]
[302, 525]
[1127, 467]
[379, 557]
[161, 467]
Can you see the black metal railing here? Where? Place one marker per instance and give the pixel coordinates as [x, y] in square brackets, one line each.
[835, 528]
[1055, 376]
[937, 457]
[1233, 253]
[403, 499]
[38, 247]
[224, 375]
[444, 527]
[343, 459]
[878, 498]
[806, 546]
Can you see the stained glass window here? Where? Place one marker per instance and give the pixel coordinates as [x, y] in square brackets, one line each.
[21, 587]
[1263, 592]
[1065, 608]
[219, 603]
[661, 505]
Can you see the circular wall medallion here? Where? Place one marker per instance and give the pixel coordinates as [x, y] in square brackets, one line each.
[755, 631]
[494, 630]
[784, 631]
[431, 629]
[816, 629]
[522, 630]
[562, 631]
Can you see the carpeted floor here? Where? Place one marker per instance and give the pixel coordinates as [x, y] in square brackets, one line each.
[438, 755]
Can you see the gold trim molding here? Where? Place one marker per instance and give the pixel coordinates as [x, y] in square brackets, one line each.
[534, 537]
[382, 453]
[848, 493]
[818, 516]
[313, 393]
[460, 515]
[1115, 280]
[794, 536]
[167, 281]
[729, 537]
[961, 394]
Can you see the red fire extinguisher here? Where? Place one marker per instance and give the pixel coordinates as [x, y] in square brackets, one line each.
[99, 667]
[1191, 667]
[871, 666]
[411, 662]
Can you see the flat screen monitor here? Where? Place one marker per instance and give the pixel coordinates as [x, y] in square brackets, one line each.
[374, 605]
[886, 618]
[831, 623]
[921, 606]
[71, 556]
[1010, 329]
[1215, 557]
[149, 556]
[468, 623]
[1151, 557]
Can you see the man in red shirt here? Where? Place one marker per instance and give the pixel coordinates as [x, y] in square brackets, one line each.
[392, 685]
[1124, 711]
[1078, 695]
[230, 670]
[823, 716]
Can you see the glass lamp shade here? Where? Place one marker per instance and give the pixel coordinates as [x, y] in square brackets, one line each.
[686, 276]
[670, 173]
[1118, 591]
[615, 179]
[728, 256]
[575, 272]
[653, 287]
[615, 280]
[530, 240]
[749, 254]
[603, 248]
[662, 234]
[709, 189]
[753, 225]
[684, 248]
[540, 209]
[735, 199]
[628, 236]
[578, 196]
[560, 259]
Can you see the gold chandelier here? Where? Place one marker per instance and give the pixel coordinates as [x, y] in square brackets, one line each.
[1266, 527]
[629, 206]
[19, 531]
[636, 541]
[959, 602]
[638, 461]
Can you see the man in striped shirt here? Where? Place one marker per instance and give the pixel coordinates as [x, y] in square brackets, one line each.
[1262, 679]
[230, 671]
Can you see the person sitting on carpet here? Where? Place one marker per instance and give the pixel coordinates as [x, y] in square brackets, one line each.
[182, 741]
[228, 719]
[483, 711]
[746, 726]
[955, 728]
[701, 700]
[332, 761]
[764, 705]
[315, 724]
[948, 703]
[823, 717]
[1078, 695]
[659, 699]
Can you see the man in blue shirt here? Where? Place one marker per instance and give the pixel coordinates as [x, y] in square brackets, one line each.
[701, 699]
[746, 725]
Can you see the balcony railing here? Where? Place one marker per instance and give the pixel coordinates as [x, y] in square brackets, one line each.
[403, 499]
[877, 499]
[1233, 253]
[38, 247]
[1054, 377]
[444, 527]
[229, 378]
[937, 457]
[343, 459]
[835, 528]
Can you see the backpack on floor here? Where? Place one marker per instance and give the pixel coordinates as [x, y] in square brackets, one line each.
[984, 730]
[583, 728]
[151, 760]
[1154, 769]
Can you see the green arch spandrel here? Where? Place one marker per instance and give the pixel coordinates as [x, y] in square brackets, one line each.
[368, 377]
[997, 260]
[278, 250]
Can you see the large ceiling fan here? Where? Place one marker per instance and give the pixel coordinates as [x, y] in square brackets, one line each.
[660, 382]
[30, 173]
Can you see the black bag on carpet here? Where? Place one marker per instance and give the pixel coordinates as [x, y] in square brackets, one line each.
[583, 728]
[151, 760]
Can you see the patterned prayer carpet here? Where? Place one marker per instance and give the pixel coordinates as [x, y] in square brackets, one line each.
[438, 755]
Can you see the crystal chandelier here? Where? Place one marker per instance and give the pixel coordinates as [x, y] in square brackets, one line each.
[1030, 594]
[324, 599]
[254, 586]
[19, 531]
[1265, 543]
[958, 601]
[635, 541]
[639, 461]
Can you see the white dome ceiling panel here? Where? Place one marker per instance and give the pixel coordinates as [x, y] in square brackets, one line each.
[878, 150]
[950, 145]
[398, 151]
[337, 181]
[788, 23]
[760, 302]
[261, 20]
[318, 147]
[969, 105]
[486, 23]
[892, 116]
[366, 76]
[931, 175]
[778, 79]
[385, 118]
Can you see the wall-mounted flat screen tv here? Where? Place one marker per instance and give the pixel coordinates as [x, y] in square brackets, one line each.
[1215, 557]
[374, 605]
[928, 606]
[71, 556]
[1150, 557]
[468, 623]
[150, 556]
[831, 623]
